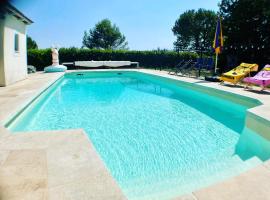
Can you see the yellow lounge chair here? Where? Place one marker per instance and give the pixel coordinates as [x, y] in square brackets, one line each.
[237, 74]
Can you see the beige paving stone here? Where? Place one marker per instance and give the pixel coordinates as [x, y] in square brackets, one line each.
[79, 156]
[24, 171]
[16, 188]
[185, 197]
[36, 139]
[85, 177]
[251, 185]
[77, 152]
[4, 132]
[267, 164]
[71, 159]
[3, 156]
[22, 141]
[26, 157]
[23, 175]
[68, 175]
[87, 189]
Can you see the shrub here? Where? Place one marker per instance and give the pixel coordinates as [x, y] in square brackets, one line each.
[147, 59]
[39, 58]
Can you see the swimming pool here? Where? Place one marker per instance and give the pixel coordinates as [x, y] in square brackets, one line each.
[159, 138]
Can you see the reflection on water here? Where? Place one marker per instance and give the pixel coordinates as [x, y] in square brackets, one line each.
[251, 144]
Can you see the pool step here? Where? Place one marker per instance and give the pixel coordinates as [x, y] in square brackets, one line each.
[254, 161]
[246, 165]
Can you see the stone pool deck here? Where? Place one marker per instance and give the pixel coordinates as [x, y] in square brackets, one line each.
[65, 165]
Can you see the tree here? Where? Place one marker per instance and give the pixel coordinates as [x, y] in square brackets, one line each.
[104, 36]
[195, 29]
[247, 28]
[31, 44]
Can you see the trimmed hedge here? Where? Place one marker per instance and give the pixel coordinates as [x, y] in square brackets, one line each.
[41, 58]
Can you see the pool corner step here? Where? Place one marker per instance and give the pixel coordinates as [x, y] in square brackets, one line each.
[253, 161]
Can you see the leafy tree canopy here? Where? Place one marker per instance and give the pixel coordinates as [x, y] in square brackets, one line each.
[247, 26]
[31, 44]
[104, 36]
[195, 30]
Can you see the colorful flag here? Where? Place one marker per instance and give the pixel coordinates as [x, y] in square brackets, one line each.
[218, 41]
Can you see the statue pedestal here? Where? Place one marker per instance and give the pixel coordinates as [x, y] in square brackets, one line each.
[55, 68]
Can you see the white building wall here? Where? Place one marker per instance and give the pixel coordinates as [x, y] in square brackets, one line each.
[15, 63]
[2, 73]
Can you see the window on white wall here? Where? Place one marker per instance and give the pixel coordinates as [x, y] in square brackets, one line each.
[16, 42]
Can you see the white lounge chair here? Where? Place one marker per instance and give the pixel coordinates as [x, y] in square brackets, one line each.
[97, 64]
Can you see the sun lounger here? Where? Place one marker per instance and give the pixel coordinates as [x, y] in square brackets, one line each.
[237, 74]
[115, 64]
[186, 67]
[262, 78]
[174, 70]
[110, 64]
[92, 64]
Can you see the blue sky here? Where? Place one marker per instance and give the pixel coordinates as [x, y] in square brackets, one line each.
[145, 23]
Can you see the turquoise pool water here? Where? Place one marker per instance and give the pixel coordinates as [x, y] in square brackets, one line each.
[158, 138]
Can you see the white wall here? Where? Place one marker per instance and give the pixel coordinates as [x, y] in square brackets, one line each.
[15, 63]
[2, 75]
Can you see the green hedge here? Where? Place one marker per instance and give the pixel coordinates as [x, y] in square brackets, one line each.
[41, 58]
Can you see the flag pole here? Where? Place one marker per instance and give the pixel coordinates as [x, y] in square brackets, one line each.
[216, 63]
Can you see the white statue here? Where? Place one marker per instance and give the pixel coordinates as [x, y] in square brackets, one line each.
[55, 56]
[55, 67]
